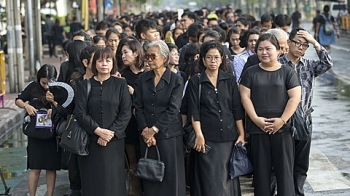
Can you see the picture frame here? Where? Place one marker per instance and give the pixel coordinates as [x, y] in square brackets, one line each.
[42, 121]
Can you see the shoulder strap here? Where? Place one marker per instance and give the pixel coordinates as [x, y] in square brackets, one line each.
[88, 87]
[199, 92]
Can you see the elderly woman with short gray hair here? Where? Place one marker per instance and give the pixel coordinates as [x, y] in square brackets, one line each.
[158, 96]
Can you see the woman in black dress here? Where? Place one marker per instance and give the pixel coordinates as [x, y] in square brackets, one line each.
[157, 101]
[42, 154]
[217, 121]
[270, 94]
[104, 115]
[132, 56]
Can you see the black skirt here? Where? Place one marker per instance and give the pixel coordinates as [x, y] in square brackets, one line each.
[103, 171]
[43, 154]
[171, 153]
[211, 172]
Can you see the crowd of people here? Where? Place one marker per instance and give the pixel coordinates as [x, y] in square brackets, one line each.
[235, 78]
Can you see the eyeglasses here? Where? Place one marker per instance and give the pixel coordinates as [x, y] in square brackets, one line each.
[211, 58]
[298, 44]
[151, 56]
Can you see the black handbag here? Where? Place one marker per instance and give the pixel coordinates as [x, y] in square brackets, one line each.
[74, 138]
[30, 128]
[150, 169]
[300, 123]
[189, 136]
[239, 162]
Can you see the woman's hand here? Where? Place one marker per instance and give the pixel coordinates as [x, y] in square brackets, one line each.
[49, 113]
[199, 143]
[105, 134]
[147, 135]
[262, 123]
[240, 138]
[30, 110]
[275, 125]
[151, 142]
[50, 97]
[131, 90]
[101, 142]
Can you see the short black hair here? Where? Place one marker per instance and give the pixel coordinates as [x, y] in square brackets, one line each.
[270, 37]
[221, 32]
[190, 15]
[282, 20]
[294, 32]
[193, 29]
[266, 18]
[81, 33]
[245, 37]
[102, 25]
[143, 26]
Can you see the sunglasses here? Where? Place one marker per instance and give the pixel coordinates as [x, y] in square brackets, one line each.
[151, 56]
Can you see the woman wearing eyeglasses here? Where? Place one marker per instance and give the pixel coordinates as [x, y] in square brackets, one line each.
[270, 94]
[217, 120]
[157, 97]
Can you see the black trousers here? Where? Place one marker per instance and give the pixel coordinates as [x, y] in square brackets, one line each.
[301, 164]
[275, 151]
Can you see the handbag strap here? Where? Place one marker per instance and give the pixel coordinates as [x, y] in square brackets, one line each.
[199, 92]
[146, 153]
[88, 88]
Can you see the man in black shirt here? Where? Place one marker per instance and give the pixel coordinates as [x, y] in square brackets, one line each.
[187, 19]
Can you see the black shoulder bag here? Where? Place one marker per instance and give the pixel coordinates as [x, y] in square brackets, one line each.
[74, 138]
[189, 137]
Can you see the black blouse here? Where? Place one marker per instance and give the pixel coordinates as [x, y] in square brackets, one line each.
[108, 106]
[268, 92]
[35, 95]
[220, 107]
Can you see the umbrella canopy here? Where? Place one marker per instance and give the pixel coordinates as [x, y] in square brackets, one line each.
[63, 93]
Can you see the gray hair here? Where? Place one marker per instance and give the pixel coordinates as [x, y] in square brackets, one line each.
[278, 33]
[163, 49]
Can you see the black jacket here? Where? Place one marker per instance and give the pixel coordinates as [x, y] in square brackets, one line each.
[159, 106]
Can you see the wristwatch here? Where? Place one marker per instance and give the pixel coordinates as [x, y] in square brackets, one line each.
[155, 129]
[316, 45]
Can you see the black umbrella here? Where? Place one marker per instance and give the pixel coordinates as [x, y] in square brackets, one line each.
[63, 93]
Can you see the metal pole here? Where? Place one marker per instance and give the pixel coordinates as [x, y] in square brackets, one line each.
[10, 45]
[38, 37]
[100, 10]
[117, 6]
[19, 46]
[30, 37]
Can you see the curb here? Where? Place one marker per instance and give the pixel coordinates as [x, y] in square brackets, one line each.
[10, 120]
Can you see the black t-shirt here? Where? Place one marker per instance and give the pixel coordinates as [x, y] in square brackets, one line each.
[268, 91]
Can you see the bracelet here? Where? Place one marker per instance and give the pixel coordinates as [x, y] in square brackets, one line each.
[284, 122]
[156, 130]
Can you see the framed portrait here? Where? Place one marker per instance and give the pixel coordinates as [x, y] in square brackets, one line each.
[42, 121]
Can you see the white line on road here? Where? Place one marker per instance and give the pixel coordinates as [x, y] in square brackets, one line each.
[323, 175]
